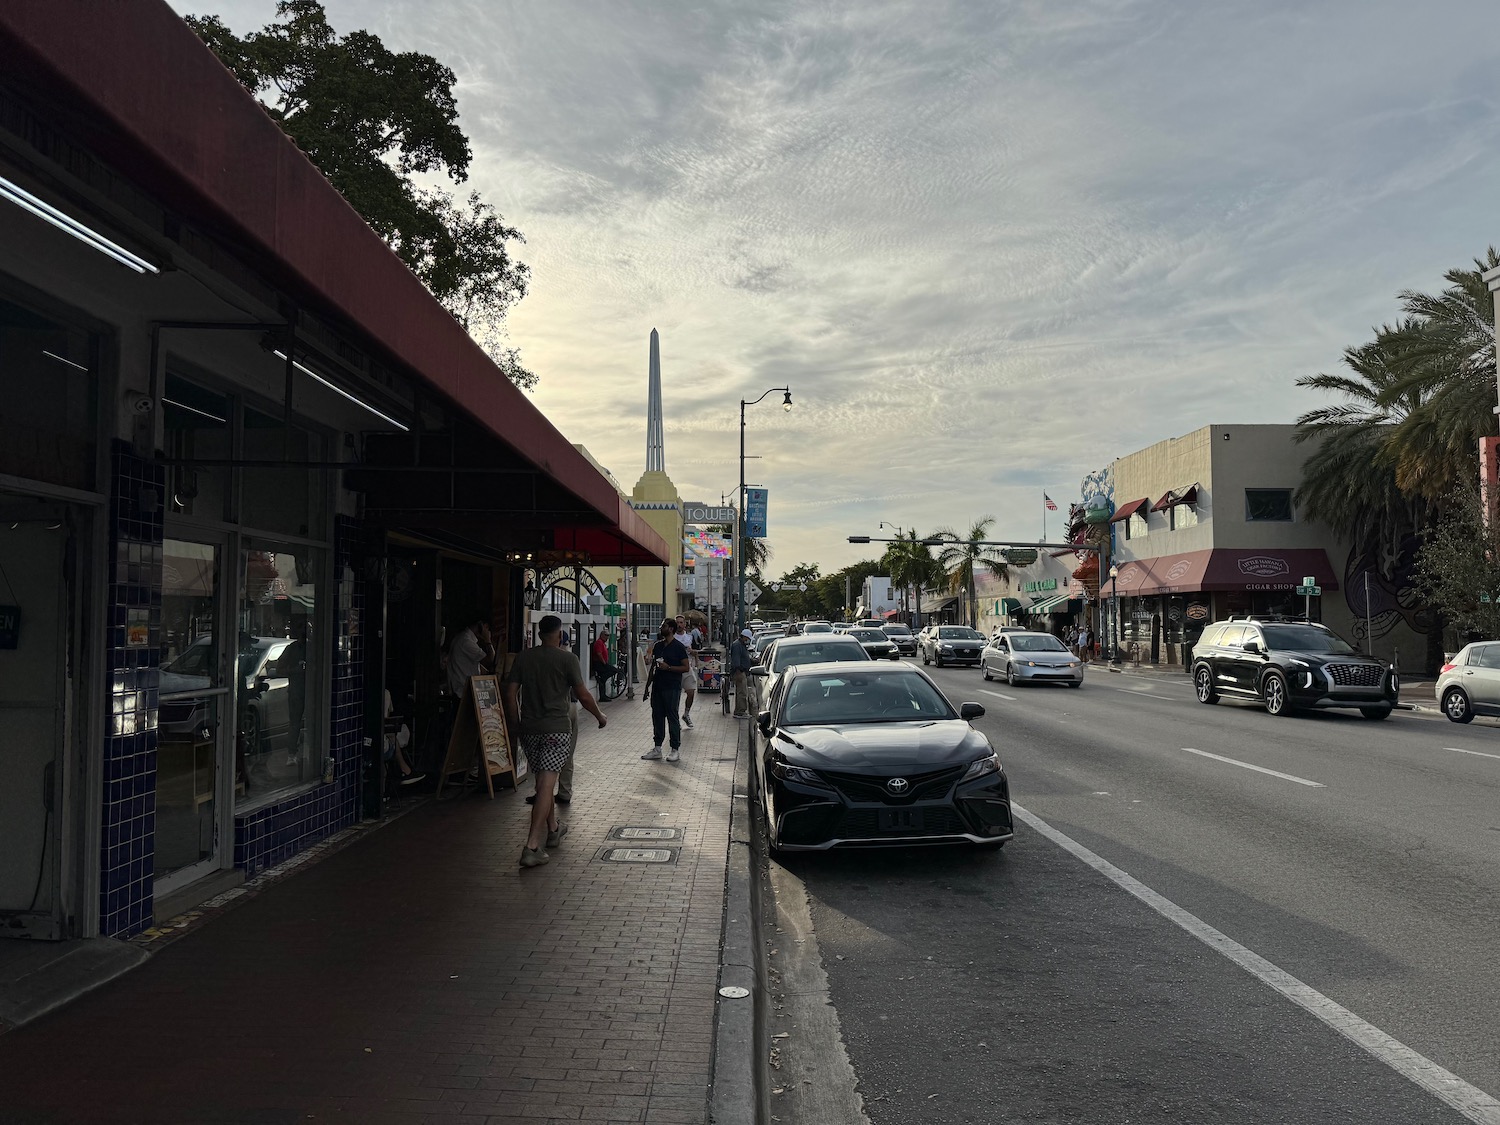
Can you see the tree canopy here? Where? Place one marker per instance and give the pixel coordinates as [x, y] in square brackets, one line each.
[372, 120]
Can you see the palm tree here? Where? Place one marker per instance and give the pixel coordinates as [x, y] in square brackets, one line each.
[961, 558]
[910, 564]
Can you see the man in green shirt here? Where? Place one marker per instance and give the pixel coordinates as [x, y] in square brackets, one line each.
[539, 690]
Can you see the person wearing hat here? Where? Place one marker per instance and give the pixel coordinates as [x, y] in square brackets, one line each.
[739, 669]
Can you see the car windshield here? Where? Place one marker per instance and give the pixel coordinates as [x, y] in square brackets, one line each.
[897, 630]
[817, 627]
[817, 700]
[1305, 638]
[1023, 643]
[867, 635]
[957, 633]
[196, 660]
[789, 656]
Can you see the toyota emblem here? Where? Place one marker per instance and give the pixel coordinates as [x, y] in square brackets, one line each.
[898, 785]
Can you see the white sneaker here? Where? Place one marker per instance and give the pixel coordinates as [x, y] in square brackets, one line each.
[687, 722]
[652, 755]
[673, 755]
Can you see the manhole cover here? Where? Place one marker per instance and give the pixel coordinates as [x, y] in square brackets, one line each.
[638, 855]
[643, 833]
[734, 992]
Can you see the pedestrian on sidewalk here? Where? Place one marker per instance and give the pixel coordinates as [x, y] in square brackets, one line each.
[1083, 643]
[539, 693]
[691, 640]
[669, 663]
[740, 663]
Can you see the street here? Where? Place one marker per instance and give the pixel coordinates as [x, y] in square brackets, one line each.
[1353, 855]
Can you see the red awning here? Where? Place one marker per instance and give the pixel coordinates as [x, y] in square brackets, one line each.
[891, 613]
[144, 93]
[1223, 569]
[1125, 511]
[1166, 501]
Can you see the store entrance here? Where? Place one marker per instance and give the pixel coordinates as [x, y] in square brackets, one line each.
[35, 686]
[195, 701]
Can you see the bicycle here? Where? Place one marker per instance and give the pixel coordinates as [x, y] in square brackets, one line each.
[612, 686]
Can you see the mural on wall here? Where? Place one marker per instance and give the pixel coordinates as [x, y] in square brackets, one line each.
[1393, 599]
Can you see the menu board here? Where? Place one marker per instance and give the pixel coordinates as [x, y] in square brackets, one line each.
[480, 737]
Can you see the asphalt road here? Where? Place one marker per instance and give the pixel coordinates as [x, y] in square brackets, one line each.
[1024, 986]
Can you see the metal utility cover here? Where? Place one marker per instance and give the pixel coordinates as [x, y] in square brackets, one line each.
[651, 833]
[638, 855]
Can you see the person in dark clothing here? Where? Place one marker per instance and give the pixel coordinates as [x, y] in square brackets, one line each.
[740, 662]
[669, 663]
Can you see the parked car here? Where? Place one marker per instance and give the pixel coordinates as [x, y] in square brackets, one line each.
[902, 637]
[1289, 664]
[1030, 657]
[951, 644]
[860, 755]
[877, 644]
[1469, 684]
[789, 652]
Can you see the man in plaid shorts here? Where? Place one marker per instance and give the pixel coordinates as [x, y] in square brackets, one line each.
[539, 693]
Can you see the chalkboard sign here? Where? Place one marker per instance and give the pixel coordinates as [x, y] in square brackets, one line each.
[480, 737]
[10, 626]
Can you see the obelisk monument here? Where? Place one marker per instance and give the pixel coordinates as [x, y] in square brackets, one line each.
[655, 443]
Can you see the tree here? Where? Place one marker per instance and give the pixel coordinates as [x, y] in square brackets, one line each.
[910, 564]
[961, 558]
[1458, 567]
[371, 119]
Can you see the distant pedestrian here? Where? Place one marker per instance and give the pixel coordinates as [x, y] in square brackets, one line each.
[539, 694]
[740, 662]
[1084, 640]
[691, 640]
[669, 663]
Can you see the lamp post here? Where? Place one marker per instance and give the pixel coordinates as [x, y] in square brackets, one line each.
[1114, 597]
[786, 404]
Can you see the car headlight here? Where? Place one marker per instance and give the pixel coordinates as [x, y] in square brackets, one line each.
[981, 767]
[797, 773]
[1031, 664]
[947, 648]
[1395, 681]
[1073, 664]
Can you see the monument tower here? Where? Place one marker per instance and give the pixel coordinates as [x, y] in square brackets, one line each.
[655, 443]
[655, 498]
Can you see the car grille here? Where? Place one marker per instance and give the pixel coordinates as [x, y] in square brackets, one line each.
[939, 820]
[1355, 675]
[866, 787]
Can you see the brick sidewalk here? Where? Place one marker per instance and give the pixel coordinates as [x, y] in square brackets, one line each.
[422, 976]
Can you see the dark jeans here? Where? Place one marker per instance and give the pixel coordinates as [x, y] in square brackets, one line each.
[664, 718]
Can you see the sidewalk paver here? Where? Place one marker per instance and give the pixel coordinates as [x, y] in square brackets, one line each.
[422, 976]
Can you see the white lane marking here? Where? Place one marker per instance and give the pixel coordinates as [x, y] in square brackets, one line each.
[1448, 1087]
[997, 694]
[1257, 769]
[1476, 753]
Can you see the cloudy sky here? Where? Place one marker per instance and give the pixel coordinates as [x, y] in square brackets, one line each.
[990, 244]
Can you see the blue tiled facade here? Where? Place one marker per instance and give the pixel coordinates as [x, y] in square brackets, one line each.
[128, 825]
[269, 835]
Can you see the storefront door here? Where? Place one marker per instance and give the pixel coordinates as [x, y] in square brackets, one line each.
[195, 725]
[35, 630]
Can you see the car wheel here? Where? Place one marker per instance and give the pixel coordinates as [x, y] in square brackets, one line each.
[1456, 706]
[1203, 684]
[1274, 691]
[924, 657]
[984, 670]
[1375, 713]
[939, 660]
[1010, 674]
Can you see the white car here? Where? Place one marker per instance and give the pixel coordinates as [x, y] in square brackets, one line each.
[1030, 658]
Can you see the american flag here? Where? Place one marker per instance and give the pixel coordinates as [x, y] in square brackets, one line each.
[1051, 504]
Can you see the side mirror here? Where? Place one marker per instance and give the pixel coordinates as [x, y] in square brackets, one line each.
[763, 720]
[1251, 646]
[760, 670]
[970, 711]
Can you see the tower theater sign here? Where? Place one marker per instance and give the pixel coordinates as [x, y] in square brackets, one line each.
[706, 513]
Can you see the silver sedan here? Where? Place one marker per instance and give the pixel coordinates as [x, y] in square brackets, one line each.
[1030, 658]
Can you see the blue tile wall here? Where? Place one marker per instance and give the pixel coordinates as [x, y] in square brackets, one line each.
[269, 835]
[127, 839]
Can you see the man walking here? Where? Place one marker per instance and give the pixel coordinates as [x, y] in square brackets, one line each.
[739, 668]
[690, 641]
[669, 663]
[539, 693]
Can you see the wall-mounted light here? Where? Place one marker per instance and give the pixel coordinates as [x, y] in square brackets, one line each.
[306, 370]
[69, 225]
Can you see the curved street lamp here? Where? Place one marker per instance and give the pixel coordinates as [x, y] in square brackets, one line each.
[739, 515]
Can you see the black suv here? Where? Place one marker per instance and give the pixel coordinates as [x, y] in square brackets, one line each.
[1289, 663]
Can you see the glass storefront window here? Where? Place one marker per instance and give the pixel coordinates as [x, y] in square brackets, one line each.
[197, 424]
[281, 655]
[285, 500]
[48, 377]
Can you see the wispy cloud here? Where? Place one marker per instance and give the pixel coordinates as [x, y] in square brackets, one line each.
[990, 245]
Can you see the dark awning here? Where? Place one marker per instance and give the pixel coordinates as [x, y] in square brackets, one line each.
[1125, 511]
[1223, 569]
[1174, 498]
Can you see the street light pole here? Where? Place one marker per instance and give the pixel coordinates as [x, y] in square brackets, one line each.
[786, 404]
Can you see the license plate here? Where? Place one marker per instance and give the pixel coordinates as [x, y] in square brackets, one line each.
[901, 820]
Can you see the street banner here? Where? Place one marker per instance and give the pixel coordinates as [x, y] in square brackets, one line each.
[755, 513]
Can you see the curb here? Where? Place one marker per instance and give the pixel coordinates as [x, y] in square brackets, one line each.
[737, 1090]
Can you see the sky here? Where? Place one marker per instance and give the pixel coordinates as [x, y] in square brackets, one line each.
[990, 245]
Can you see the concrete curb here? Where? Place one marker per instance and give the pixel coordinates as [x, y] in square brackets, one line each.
[737, 1092]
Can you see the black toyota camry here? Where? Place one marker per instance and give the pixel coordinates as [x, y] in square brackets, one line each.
[862, 755]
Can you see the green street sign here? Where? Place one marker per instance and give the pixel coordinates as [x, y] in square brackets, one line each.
[614, 609]
[1309, 591]
[612, 593]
